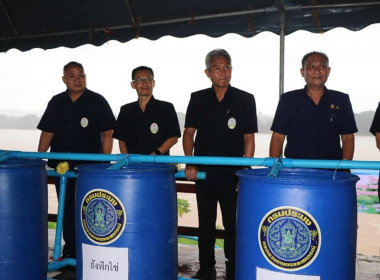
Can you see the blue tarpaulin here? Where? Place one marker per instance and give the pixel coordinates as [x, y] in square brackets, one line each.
[51, 23]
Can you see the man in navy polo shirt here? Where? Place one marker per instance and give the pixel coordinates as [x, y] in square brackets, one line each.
[75, 121]
[223, 118]
[314, 119]
[148, 125]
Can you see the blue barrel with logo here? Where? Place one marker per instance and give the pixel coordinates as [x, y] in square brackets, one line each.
[126, 222]
[300, 225]
[23, 219]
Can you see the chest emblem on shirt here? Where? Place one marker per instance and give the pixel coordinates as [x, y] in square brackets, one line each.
[84, 122]
[154, 128]
[231, 123]
[333, 107]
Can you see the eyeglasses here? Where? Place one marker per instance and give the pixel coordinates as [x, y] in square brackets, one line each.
[141, 81]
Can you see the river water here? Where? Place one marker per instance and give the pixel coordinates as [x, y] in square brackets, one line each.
[27, 140]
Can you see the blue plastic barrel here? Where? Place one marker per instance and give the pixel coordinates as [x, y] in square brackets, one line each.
[126, 222]
[301, 225]
[23, 219]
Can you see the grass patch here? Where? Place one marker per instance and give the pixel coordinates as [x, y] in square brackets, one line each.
[52, 225]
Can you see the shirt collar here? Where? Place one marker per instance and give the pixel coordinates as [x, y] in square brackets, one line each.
[227, 92]
[325, 91]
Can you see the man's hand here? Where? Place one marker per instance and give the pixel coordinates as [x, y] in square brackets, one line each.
[191, 172]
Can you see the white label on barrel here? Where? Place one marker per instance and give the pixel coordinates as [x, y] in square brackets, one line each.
[101, 263]
[264, 274]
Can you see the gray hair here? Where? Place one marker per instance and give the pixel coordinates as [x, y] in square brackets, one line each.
[215, 53]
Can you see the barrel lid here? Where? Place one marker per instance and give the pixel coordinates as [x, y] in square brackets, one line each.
[298, 175]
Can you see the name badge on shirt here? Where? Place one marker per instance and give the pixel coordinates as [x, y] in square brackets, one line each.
[231, 123]
[154, 128]
[84, 122]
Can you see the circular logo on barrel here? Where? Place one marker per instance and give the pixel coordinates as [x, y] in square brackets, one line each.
[289, 238]
[103, 216]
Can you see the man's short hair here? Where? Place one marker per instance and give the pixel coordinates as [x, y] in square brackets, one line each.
[312, 53]
[215, 53]
[72, 63]
[141, 68]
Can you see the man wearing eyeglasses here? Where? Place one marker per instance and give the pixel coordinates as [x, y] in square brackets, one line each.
[148, 125]
[223, 121]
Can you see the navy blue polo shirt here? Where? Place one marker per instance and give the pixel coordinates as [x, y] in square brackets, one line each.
[313, 131]
[375, 126]
[144, 132]
[221, 125]
[77, 126]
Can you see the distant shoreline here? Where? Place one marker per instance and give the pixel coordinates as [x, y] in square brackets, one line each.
[27, 140]
[30, 122]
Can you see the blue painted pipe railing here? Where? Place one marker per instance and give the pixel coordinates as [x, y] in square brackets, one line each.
[238, 161]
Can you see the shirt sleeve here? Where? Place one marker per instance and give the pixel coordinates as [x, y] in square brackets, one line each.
[173, 124]
[47, 120]
[349, 123]
[280, 120]
[119, 130]
[250, 118]
[375, 126]
[191, 114]
[107, 120]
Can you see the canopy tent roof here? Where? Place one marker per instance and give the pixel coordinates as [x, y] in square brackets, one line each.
[49, 24]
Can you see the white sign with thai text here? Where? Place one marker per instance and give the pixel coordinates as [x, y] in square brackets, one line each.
[101, 263]
[264, 274]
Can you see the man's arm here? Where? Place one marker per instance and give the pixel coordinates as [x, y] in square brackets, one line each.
[249, 145]
[348, 146]
[45, 139]
[123, 147]
[188, 146]
[107, 141]
[168, 143]
[377, 135]
[276, 144]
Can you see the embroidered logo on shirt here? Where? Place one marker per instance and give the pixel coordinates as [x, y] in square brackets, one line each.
[84, 122]
[231, 123]
[154, 128]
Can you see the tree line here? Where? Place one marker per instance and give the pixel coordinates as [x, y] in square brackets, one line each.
[30, 121]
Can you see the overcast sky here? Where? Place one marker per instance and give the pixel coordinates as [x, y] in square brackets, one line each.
[30, 79]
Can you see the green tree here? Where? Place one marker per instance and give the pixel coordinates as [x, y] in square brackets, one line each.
[182, 206]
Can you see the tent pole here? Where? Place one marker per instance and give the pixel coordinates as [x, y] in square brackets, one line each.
[282, 53]
[281, 9]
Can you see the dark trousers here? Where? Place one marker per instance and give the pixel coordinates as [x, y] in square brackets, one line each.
[69, 217]
[208, 195]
